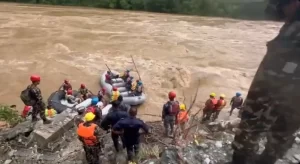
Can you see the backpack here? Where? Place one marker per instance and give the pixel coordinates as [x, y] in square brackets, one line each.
[25, 97]
[173, 107]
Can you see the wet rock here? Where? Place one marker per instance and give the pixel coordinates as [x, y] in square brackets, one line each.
[297, 157]
[20, 129]
[151, 161]
[44, 134]
[297, 140]
[219, 144]
[8, 161]
[206, 161]
[169, 156]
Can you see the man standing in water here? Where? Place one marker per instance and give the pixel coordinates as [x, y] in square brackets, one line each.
[272, 104]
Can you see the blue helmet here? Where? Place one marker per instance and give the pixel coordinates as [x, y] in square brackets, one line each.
[95, 100]
[238, 94]
[139, 83]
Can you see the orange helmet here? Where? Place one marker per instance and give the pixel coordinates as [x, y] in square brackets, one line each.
[66, 81]
[82, 86]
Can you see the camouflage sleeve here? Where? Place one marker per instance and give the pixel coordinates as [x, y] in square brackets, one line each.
[97, 133]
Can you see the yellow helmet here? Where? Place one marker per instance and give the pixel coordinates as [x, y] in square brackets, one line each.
[222, 95]
[213, 94]
[182, 106]
[89, 116]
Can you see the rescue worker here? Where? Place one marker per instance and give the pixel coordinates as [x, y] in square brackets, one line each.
[125, 75]
[72, 99]
[139, 88]
[221, 103]
[66, 86]
[272, 103]
[123, 107]
[130, 127]
[89, 134]
[35, 94]
[182, 117]
[101, 94]
[84, 92]
[50, 112]
[95, 110]
[129, 82]
[109, 76]
[169, 114]
[115, 94]
[111, 119]
[236, 102]
[209, 107]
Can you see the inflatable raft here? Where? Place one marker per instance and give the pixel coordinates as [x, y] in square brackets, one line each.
[59, 103]
[120, 84]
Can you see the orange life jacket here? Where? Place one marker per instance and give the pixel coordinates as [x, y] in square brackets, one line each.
[182, 117]
[221, 104]
[211, 103]
[87, 133]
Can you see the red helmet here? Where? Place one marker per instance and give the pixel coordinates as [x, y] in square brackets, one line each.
[115, 88]
[70, 92]
[103, 89]
[82, 86]
[35, 78]
[172, 95]
[66, 81]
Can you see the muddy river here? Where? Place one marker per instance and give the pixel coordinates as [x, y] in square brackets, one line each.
[172, 52]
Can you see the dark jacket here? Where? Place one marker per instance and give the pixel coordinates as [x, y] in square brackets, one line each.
[112, 118]
[36, 95]
[131, 127]
[170, 106]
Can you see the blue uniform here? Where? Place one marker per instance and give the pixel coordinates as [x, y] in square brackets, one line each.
[110, 120]
[131, 127]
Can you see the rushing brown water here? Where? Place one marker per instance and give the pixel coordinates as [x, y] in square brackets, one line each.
[171, 52]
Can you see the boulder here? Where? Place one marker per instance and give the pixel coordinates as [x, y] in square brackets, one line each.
[44, 134]
[20, 129]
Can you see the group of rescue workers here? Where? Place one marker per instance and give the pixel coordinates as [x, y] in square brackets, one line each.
[121, 120]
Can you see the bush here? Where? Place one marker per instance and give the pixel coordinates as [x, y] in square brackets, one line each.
[9, 115]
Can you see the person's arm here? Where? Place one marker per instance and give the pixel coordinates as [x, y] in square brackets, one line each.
[97, 133]
[163, 115]
[99, 113]
[118, 127]
[231, 100]
[60, 87]
[144, 126]
[106, 122]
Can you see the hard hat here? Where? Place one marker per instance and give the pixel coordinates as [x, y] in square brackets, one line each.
[82, 86]
[212, 94]
[222, 95]
[103, 89]
[238, 94]
[127, 70]
[66, 81]
[182, 106]
[95, 100]
[89, 116]
[115, 88]
[139, 83]
[70, 92]
[172, 95]
[35, 78]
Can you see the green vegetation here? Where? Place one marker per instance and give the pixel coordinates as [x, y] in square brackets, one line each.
[234, 9]
[9, 115]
